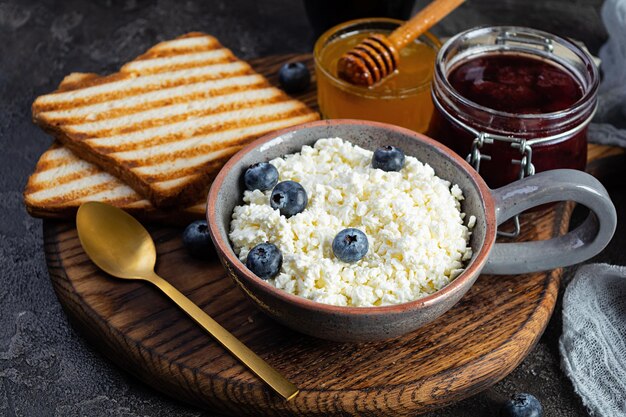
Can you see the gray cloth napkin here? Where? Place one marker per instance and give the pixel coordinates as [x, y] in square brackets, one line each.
[609, 123]
[593, 343]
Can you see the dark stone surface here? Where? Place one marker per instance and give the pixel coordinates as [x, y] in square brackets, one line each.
[46, 368]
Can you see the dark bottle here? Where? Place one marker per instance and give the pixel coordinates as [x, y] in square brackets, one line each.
[324, 14]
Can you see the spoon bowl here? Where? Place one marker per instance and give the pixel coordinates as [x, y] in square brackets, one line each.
[116, 242]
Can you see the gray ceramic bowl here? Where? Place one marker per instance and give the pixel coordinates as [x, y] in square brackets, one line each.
[491, 207]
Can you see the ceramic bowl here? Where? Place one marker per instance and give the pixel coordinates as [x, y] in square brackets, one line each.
[490, 207]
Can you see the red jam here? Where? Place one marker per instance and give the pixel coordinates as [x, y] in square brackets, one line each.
[518, 85]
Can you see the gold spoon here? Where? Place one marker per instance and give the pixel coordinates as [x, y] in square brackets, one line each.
[120, 246]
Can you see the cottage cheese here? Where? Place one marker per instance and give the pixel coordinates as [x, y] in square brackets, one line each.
[412, 218]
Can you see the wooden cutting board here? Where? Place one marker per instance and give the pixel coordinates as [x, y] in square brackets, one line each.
[471, 347]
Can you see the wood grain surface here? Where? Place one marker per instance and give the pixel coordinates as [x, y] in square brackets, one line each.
[471, 347]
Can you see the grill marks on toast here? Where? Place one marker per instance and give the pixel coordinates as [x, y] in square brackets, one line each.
[178, 62]
[154, 99]
[62, 181]
[187, 133]
[62, 178]
[122, 85]
[210, 159]
[169, 119]
[188, 43]
[181, 112]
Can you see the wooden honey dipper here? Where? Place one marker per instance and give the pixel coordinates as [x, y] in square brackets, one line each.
[377, 56]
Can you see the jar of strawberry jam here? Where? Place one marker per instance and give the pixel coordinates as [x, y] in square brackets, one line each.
[514, 101]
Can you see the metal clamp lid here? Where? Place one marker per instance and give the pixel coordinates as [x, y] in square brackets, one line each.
[526, 166]
[509, 36]
[524, 145]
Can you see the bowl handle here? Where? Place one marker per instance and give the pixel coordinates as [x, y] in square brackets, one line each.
[580, 244]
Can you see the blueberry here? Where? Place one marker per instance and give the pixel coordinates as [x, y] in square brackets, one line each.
[350, 245]
[289, 197]
[522, 405]
[197, 240]
[294, 77]
[261, 176]
[265, 260]
[388, 158]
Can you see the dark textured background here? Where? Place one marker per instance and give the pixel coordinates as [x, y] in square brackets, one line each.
[46, 369]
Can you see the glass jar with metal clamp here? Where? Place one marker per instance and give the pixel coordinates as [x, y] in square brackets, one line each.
[514, 101]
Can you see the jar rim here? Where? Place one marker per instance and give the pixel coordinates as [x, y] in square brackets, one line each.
[426, 38]
[589, 91]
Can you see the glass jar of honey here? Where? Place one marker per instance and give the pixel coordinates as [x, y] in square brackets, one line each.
[402, 99]
[514, 101]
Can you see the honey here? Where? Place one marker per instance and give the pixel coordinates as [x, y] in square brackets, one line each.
[402, 99]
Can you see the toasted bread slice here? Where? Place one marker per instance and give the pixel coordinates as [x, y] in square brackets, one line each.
[62, 182]
[167, 121]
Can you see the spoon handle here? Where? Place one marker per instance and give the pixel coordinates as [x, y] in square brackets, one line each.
[422, 21]
[250, 359]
